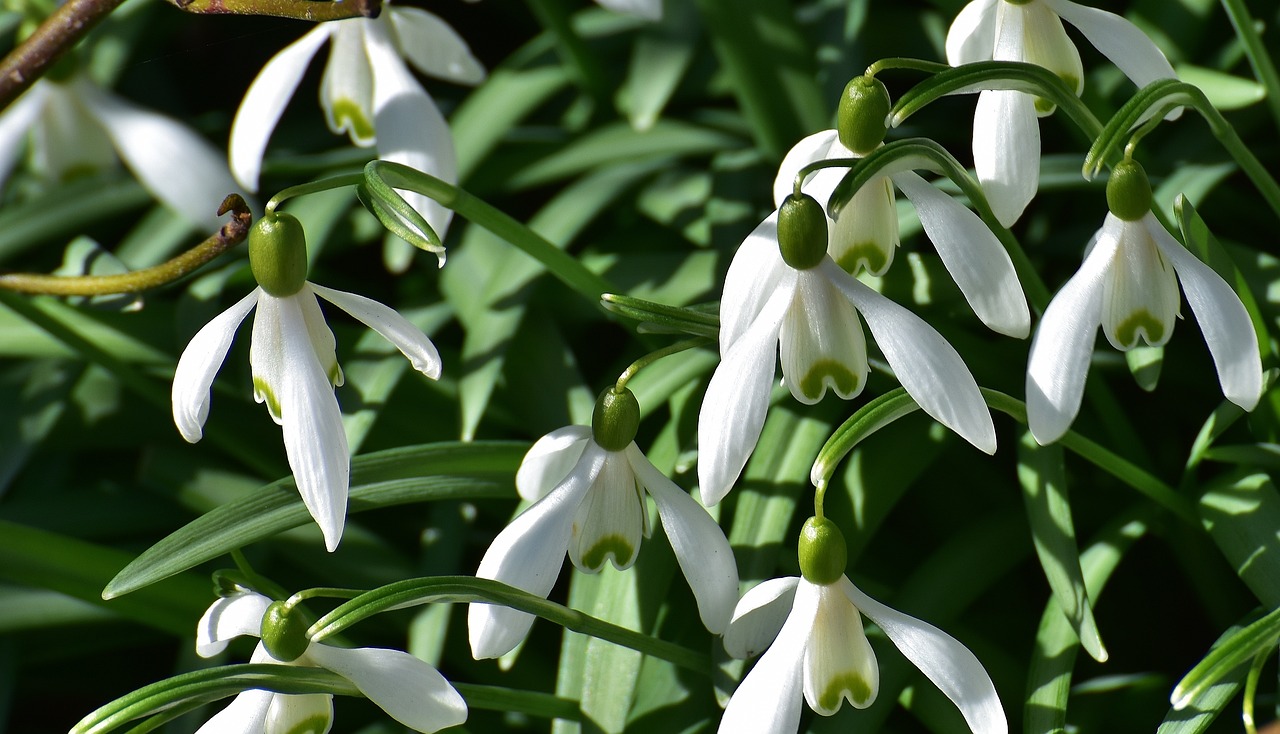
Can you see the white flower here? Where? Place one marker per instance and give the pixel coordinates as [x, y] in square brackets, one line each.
[1006, 134]
[294, 371]
[368, 93]
[817, 651]
[810, 318]
[866, 232]
[1128, 284]
[589, 501]
[76, 126]
[408, 689]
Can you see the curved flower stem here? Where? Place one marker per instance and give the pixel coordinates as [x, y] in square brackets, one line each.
[321, 592]
[902, 62]
[1251, 690]
[231, 234]
[654, 356]
[42, 49]
[313, 187]
[1259, 59]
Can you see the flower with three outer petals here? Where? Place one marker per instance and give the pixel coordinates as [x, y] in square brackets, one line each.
[408, 689]
[367, 92]
[588, 487]
[1128, 285]
[76, 125]
[808, 316]
[295, 368]
[1006, 134]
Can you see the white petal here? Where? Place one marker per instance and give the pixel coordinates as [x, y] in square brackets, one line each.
[754, 274]
[821, 343]
[737, 398]
[865, 233]
[393, 327]
[247, 714]
[177, 166]
[950, 665]
[434, 47]
[698, 542]
[611, 519]
[67, 138]
[320, 336]
[527, 554]
[346, 90]
[1223, 319]
[229, 617]
[408, 689]
[199, 364]
[1140, 296]
[647, 9]
[839, 662]
[550, 460]
[972, 36]
[265, 101]
[1119, 40]
[1006, 151]
[816, 147]
[1060, 350]
[1033, 33]
[307, 713]
[411, 130]
[971, 253]
[768, 699]
[759, 616]
[926, 365]
[16, 121]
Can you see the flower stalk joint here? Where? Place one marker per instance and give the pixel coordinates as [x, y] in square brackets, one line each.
[802, 231]
[615, 420]
[284, 632]
[823, 553]
[278, 254]
[862, 119]
[1129, 191]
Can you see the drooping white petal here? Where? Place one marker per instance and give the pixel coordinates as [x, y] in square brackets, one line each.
[1006, 151]
[1140, 291]
[737, 398]
[320, 336]
[227, 618]
[647, 9]
[821, 343]
[200, 363]
[16, 122]
[433, 47]
[177, 166]
[819, 146]
[1063, 343]
[610, 521]
[550, 460]
[247, 714]
[393, 327]
[950, 665]
[865, 232]
[527, 554]
[307, 713]
[768, 700]
[1033, 33]
[972, 35]
[346, 90]
[265, 101]
[1223, 319]
[408, 689]
[68, 139]
[1119, 40]
[699, 544]
[926, 365]
[971, 253]
[754, 274]
[839, 662]
[759, 616]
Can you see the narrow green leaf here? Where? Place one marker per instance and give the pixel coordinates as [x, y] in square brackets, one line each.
[1144, 363]
[1198, 701]
[66, 210]
[495, 107]
[660, 57]
[1241, 517]
[1225, 91]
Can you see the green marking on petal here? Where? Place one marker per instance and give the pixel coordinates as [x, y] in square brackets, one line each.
[845, 381]
[869, 255]
[1143, 321]
[349, 116]
[852, 685]
[317, 724]
[609, 545]
[263, 394]
[336, 378]
[1045, 106]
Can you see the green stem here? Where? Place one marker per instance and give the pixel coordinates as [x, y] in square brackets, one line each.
[313, 187]
[321, 592]
[1251, 689]
[656, 355]
[1259, 59]
[902, 62]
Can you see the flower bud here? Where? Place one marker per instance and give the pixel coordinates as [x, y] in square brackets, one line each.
[823, 554]
[862, 120]
[278, 254]
[1129, 191]
[615, 420]
[802, 231]
[284, 633]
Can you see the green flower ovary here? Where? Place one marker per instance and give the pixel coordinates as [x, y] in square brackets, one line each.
[284, 633]
[278, 254]
[615, 420]
[802, 231]
[862, 119]
[1129, 191]
[823, 553]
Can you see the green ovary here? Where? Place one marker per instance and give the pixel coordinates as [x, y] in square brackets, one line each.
[871, 255]
[1127, 331]
[852, 683]
[348, 115]
[609, 545]
[845, 381]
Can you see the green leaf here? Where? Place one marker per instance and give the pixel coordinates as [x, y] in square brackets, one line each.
[1224, 91]
[1241, 517]
[1198, 701]
[67, 210]
[495, 107]
[393, 477]
[660, 58]
[1144, 363]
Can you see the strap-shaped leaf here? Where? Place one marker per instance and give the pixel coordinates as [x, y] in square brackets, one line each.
[1198, 711]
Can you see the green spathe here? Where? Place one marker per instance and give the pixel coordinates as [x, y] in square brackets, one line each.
[284, 632]
[823, 553]
[278, 254]
[862, 119]
[802, 231]
[615, 420]
[1129, 191]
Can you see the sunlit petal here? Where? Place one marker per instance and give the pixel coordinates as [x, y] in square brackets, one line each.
[839, 662]
[308, 713]
[346, 90]
[865, 233]
[434, 47]
[1033, 33]
[1006, 151]
[247, 714]
[759, 616]
[754, 274]
[393, 327]
[199, 364]
[550, 460]
[16, 121]
[1119, 40]
[816, 147]
[408, 689]
[320, 336]
[821, 342]
[610, 521]
[972, 35]
[1140, 296]
[227, 618]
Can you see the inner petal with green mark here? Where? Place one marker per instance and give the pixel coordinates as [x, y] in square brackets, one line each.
[839, 663]
[821, 342]
[349, 116]
[866, 231]
[263, 393]
[299, 714]
[1140, 296]
[610, 522]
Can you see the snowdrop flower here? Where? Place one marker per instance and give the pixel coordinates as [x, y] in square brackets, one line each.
[817, 650]
[76, 125]
[368, 93]
[1006, 134]
[588, 487]
[1128, 285]
[865, 233]
[784, 295]
[408, 689]
[294, 365]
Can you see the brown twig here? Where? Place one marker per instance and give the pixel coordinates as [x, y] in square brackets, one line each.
[55, 36]
[313, 10]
